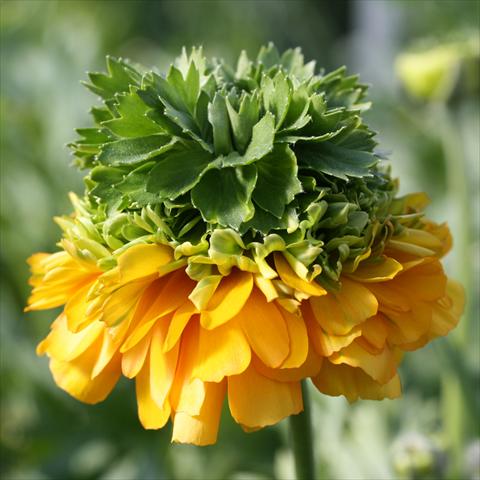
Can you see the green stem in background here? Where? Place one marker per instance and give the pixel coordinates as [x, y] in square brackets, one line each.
[302, 439]
[455, 397]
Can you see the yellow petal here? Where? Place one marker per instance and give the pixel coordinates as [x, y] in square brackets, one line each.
[221, 352]
[187, 393]
[76, 310]
[203, 428]
[297, 333]
[338, 313]
[324, 343]
[162, 365]
[228, 299]
[289, 277]
[374, 331]
[75, 377]
[266, 286]
[150, 414]
[204, 290]
[173, 294]
[407, 327]
[122, 302]
[309, 368]
[112, 339]
[64, 345]
[379, 271]
[133, 359]
[179, 321]
[446, 317]
[409, 248]
[265, 329]
[257, 401]
[381, 367]
[354, 383]
[142, 260]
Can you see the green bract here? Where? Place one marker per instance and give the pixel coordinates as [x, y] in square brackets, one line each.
[228, 165]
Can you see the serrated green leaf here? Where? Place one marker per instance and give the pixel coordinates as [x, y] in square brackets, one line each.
[242, 122]
[335, 160]
[224, 196]
[277, 182]
[218, 118]
[135, 150]
[244, 65]
[178, 172]
[133, 121]
[119, 79]
[268, 56]
[277, 94]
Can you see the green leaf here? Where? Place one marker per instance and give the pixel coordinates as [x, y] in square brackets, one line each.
[218, 118]
[277, 93]
[262, 139]
[335, 160]
[242, 122]
[120, 77]
[265, 222]
[224, 196]
[277, 182]
[268, 56]
[133, 121]
[108, 175]
[178, 172]
[135, 150]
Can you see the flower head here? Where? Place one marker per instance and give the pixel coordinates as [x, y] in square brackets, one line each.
[238, 234]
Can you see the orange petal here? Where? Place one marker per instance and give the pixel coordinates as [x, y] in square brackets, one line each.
[201, 429]
[151, 415]
[142, 260]
[354, 383]
[221, 352]
[309, 368]
[289, 277]
[381, 367]
[162, 365]
[75, 377]
[172, 295]
[64, 345]
[133, 359]
[178, 323]
[228, 299]
[76, 310]
[380, 270]
[298, 336]
[265, 329]
[338, 313]
[257, 401]
[187, 393]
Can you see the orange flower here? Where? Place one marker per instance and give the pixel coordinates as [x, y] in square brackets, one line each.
[242, 335]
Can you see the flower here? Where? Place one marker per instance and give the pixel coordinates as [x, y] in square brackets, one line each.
[258, 245]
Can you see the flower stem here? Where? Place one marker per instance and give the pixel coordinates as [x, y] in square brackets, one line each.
[302, 439]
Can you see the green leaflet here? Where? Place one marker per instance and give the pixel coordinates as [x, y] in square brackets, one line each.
[224, 196]
[260, 145]
[218, 117]
[335, 160]
[135, 150]
[178, 172]
[277, 182]
[133, 121]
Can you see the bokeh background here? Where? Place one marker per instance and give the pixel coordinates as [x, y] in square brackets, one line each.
[422, 59]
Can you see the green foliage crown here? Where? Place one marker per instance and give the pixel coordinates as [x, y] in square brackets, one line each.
[271, 147]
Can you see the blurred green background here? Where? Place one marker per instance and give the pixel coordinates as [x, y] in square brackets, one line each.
[422, 58]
